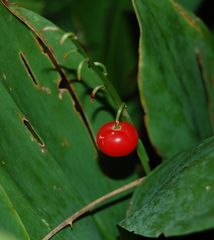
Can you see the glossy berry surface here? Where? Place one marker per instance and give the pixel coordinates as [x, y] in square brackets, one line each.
[117, 142]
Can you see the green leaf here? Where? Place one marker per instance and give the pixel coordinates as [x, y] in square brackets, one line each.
[175, 76]
[177, 198]
[49, 164]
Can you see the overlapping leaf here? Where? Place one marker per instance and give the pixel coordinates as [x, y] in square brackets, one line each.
[177, 198]
[49, 163]
[175, 81]
[175, 75]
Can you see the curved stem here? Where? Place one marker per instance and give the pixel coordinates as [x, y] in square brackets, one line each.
[119, 113]
[66, 55]
[79, 68]
[102, 66]
[96, 89]
[50, 28]
[90, 206]
[67, 35]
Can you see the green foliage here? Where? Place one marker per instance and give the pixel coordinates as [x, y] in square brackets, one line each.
[49, 163]
[106, 31]
[177, 198]
[109, 35]
[174, 81]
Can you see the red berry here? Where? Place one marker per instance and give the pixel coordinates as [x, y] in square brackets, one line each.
[117, 141]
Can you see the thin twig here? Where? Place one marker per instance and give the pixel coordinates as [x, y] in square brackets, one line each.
[90, 206]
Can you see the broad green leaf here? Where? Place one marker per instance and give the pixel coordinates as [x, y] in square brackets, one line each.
[109, 32]
[49, 165]
[177, 198]
[175, 76]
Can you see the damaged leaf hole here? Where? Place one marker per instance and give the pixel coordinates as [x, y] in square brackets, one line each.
[64, 84]
[30, 73]
[41, 45]
[62, 87]
[34, 134]
[28, 68]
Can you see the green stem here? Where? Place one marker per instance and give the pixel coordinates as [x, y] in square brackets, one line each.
[102, 66]
[96, 89]
[79, 68]
[119, 113]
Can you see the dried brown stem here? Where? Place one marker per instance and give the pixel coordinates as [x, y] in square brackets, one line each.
[90, 206]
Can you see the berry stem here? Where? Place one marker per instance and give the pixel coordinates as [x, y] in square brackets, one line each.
[118, 116]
